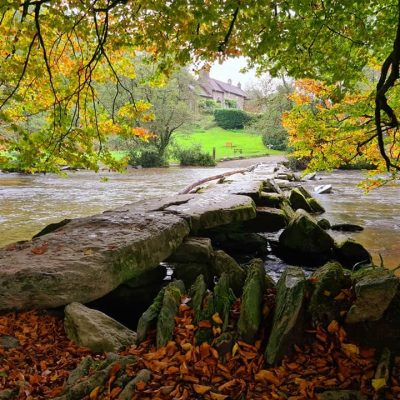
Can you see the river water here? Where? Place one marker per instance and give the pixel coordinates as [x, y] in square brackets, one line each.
[29, 203]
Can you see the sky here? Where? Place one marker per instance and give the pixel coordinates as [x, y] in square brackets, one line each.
[230, 69]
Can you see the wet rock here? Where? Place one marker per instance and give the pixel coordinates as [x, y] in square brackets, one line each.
[206, 313]
[87, 259]
[329, 281]
[298, 200]
[305, 239]
[347, 228]
[351, 252]
[287, 209]
[9, 342]
[341, 395]
[267, 220]
[223, 263]
[212, 209]
[193, 249]
[223, 299]
[374, 289]
[168, 312]
[310, 177]
[270, 199]
[324, 224]
[288, 317]
[271, 186]
[315, 205]
[197, 293]
[97, 331]
[52, 228]
[244, 187]
[321, 189]
[251, 303]
[149, 317]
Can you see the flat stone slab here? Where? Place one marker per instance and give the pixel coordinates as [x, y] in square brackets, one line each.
[214, 208]
[87, 258]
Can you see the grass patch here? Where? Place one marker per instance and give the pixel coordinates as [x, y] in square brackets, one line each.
[251, 145]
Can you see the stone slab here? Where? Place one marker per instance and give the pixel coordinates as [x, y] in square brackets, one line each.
[87, 258]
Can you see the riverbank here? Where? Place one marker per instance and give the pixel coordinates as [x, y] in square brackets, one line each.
[222, 328]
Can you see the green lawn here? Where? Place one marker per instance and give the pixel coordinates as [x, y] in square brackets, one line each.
[250, 144]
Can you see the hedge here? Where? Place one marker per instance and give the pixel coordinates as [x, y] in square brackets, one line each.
[230, 118]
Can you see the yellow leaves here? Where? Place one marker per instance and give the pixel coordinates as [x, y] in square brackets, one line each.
[217, 319]
[95, 393]
[350, 349]
[378, 383]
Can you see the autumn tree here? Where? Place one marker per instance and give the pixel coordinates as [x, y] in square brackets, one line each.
[53, 50]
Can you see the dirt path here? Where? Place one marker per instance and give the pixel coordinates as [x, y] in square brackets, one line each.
[251, 161]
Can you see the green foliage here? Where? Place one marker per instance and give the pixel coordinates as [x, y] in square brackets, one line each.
[193, 156]
[208, 106]
[229, 118]
[277, 140]
[147, 157]
[231, 103]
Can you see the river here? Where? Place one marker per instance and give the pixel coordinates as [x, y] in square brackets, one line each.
[30, 202]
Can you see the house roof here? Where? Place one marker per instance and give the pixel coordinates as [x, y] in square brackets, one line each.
[210, 85]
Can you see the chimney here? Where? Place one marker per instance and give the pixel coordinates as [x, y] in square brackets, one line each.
[239, 85]
[229, 81]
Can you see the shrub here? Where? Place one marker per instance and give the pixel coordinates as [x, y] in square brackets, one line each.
[231, 118]
[146, 156]
[193, 156]
[231, 103]
[277, 140]
[208, 106]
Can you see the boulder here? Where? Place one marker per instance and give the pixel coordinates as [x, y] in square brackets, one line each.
[169, 309]
[374, 289]
[270, 199]
[267, 220]
[87, 258]
[287, 209]
[97, 331]
[328, 280]
[310, 177]
[324, 224]
[223, 263]
[298, 200]
[214, 208]
[270, 186]
[188, 272]
[350, 253]
[305, 239]
[251, 303]
[288, 317]
[193, 250]
[315, 205]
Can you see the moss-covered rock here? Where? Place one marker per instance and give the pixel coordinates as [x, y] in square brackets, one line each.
[324, 224]
[328, 280]
[270, 200]
[188, 272]
[149, 317]
[288, 316]
[267, 220]
[374, 289]
[341, 395]
[298, 200]
[193, 250]
[251, 305]
[223, 299]
[350, 253]
[315, 205]
[197, 292]
[169, 309]
[208, 310]
[304, 239]
[223, 263]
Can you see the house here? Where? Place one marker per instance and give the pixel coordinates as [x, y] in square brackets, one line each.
[226, 94]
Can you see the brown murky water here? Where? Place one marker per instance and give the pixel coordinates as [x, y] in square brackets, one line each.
[28, 203]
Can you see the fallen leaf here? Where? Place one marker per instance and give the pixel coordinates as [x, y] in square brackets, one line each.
[217, 319]
[38, 250]
[378, 383]
[201, 389]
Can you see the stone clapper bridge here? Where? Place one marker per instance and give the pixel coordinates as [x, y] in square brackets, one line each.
[217, 232]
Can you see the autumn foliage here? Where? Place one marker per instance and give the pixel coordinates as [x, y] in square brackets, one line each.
[184, 369]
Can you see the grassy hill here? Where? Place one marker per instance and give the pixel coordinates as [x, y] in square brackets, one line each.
[226, 142]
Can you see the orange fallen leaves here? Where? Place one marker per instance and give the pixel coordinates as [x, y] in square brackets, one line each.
[184, 369]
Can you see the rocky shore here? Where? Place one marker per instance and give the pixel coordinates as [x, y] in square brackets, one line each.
[129, 273]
